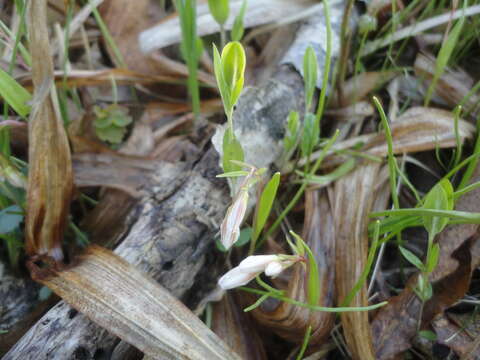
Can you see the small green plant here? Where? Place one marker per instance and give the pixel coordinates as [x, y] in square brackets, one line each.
[111, 123]
[229, 72]
[191, 48]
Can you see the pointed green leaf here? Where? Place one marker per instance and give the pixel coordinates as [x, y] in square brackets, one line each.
[291, 135]
[238, 28]
[222, 85]
[264, 205]
[310, 70]
[10, 219]
[412, 258]
[14, 94]
[310, 134]
[232, 150]
[440, 197]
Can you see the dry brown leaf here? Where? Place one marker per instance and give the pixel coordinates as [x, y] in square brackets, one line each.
[291, 321]
[357, 88]
[50, 183]
[396, 324]
[353, 199]
[120, 298]
[235, 327]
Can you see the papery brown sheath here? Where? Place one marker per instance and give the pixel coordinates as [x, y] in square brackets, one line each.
[50, 181]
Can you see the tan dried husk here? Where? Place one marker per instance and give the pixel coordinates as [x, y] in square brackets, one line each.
[291, 321]
[353, 199]
[50, 183]
[235, 327]
[131, 305]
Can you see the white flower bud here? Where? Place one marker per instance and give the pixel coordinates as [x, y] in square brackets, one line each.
[235, 278]
[230, 229]
[257, 263]
[274, 269]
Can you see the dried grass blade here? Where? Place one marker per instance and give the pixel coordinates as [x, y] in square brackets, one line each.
[50, 183]
[120, 298]
[353, 199]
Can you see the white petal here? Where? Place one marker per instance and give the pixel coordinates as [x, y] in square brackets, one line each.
[274, 268]
[235, 278]
[256, 262]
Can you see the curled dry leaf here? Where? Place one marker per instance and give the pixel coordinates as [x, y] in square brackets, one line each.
[235, 327]
[354, 196]
[128, 303]
[396, 324]
[291, 321]
[50, 176]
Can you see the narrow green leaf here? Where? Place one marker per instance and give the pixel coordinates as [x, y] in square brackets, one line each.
[264, 205]
[310, 74]
[232, 150]
[222, 85]
[432, 260]
[412, 258]
[310, 135]
[291, 136]
[340, 171]
[238, 28]
[440, 197]
[14, 94]
[233, 174]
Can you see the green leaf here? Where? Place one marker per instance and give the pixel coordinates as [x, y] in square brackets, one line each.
[14, 94]
[233, 174]
[310, 70]
[427, 334]
[264, 205]
[412, 258]
[232, 150]
[340, 171]
[310, 135]
[219, 10]
[245, 236]
[291, 135]
[233, 69]
[238, 28]
[440, 197]
[222, 85]
[10, 219]
[432, 260]
[112, 134]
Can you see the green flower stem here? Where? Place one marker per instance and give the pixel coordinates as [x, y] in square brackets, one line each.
[313, 307]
